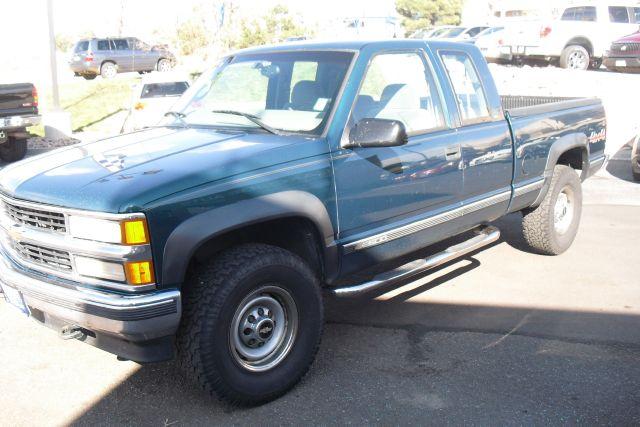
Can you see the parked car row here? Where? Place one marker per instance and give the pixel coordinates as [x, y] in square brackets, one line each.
[576, 37]
[110, 56]
[450, 33]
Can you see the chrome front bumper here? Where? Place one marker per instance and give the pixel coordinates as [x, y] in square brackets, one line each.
[59, 303]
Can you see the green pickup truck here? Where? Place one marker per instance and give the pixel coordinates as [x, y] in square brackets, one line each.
[277, 179]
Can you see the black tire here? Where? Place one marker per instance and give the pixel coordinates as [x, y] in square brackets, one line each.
[539, 225]
[164, 65]
[13, 150]
[89, 76]
[595, 64]
[575, 57]
[636, 176]
[212, 298]
[108, 70]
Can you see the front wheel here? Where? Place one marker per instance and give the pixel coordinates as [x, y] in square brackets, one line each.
[551, 227]
[252, 323]
[575, 57]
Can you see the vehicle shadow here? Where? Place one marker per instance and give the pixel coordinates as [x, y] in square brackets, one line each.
[399, 360]
[620, 164]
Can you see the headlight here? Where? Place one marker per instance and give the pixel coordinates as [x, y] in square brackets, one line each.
[90, 267]
[126, 232]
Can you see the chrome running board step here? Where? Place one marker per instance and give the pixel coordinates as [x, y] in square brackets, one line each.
[485, 236]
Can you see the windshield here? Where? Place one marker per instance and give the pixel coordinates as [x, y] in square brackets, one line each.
[162, 90]
[454, 32]
[286, 91]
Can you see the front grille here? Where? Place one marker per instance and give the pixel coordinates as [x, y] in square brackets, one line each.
[36, 218]
[46, 257]
[625, 48]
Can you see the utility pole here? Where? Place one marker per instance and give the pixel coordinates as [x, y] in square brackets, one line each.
[57, 123]
[52, 57]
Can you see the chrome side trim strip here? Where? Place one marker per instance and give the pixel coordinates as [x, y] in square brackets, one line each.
[528, 188]
[423, 224]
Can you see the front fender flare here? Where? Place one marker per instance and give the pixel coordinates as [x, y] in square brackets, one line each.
[189, 236]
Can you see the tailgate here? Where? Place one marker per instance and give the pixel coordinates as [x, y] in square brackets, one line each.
[18, 100]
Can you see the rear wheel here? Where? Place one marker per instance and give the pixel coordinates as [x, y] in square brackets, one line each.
[89, 76]
[13, 150]
[552, 226]
[575, 57]
[164, 65]
[108, 70]
[251, 323]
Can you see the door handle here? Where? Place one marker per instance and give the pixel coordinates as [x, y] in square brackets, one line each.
[452, 153]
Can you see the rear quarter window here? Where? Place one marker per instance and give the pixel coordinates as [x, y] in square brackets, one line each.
[468, 88]
[103, 44]
[81, 47]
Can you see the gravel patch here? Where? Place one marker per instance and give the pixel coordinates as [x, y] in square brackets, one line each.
[43, 143]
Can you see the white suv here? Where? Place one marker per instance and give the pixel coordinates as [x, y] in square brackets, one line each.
[576, 35]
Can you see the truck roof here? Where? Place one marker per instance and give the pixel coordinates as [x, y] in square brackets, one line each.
[351, 45]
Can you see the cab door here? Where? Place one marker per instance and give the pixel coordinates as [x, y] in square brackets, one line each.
[386, 194]
[484, 136]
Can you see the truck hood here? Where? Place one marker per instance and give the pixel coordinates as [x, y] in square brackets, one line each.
[126, 172]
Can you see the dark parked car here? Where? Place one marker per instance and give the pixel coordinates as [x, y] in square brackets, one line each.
[110, 56]
[18, 110]
[624, 54]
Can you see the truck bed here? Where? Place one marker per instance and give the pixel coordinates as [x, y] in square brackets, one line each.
[522, 105]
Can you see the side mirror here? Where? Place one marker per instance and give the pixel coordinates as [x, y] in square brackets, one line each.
[377, 133]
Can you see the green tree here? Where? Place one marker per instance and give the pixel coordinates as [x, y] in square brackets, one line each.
[192, 35]
[420, 14]
[277, 25]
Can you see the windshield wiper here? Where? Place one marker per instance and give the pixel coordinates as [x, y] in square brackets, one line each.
[252, 118]
[178, 115]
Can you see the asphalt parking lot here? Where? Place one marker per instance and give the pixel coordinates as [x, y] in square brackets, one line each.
[500, 337]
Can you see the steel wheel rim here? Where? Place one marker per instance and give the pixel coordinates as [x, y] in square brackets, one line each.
[577, 60]
[563, 210]
[110, 71]
[164, 65]
[264, 328]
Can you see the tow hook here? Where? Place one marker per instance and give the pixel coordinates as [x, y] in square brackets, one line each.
[71, 332]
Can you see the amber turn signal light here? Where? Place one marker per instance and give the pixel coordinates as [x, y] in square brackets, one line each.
[140, 273]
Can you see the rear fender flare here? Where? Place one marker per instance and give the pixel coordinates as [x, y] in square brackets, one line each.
[189, 236]
[558, 148]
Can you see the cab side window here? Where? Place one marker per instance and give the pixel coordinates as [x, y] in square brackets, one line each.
[583, 13]
[119, 44]
[619, 14]
[399, 86]
[470, 95]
